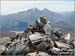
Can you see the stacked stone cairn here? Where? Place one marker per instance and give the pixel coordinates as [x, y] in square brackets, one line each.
[38, 40]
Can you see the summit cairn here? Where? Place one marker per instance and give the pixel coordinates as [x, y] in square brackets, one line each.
[38, 40]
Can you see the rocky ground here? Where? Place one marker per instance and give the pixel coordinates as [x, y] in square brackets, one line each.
[38, 40]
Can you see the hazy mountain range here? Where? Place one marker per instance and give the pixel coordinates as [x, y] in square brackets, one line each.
[22, 19]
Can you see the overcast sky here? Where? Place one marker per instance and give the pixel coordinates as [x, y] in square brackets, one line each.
[8, 7]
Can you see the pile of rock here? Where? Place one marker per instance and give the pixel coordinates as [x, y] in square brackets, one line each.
[38, 40]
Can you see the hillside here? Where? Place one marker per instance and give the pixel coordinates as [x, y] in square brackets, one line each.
[69, 19]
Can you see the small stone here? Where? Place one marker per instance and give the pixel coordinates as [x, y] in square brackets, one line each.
[2, 49]
[42, 54]
[39, 24]
[55, 50]
[32, 54]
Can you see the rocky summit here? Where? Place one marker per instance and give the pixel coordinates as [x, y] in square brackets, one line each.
[39, 40]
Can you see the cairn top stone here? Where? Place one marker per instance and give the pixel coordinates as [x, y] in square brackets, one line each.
[43, 19]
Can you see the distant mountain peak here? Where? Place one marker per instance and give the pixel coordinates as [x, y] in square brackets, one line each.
[35, 8]
[32, 10]
[45, 9]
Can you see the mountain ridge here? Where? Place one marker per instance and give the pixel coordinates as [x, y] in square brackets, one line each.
[31, 15]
